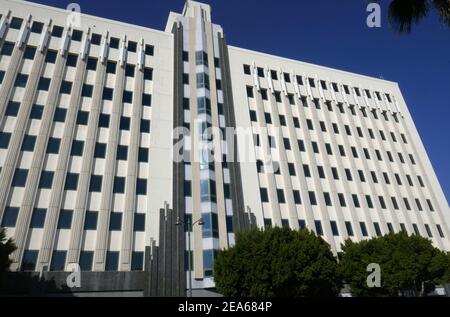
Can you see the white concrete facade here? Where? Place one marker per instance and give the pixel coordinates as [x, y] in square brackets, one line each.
[86, 121]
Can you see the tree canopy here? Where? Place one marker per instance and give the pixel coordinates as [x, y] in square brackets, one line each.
[6, 248]
[407, 263]
[277, 262]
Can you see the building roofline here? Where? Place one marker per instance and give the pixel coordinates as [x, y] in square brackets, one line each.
[60, 10]
[314, 65]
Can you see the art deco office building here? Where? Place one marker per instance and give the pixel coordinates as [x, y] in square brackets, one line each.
[106, 131]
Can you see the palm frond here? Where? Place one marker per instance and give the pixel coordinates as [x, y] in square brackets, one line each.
[443, 7]
[404, 13]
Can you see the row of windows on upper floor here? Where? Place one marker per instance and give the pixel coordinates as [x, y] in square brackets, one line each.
[86, 261]
[312, 83]
[201, 58]
[329, 150]
[46, 182]
[72, 61]
[363, 227]
[53, 146]
[334, 171]
[60, 115]
[342, 201]
[86, 91]
[203, 81]
[323, 127]
[77, 35]
[65, 218]
[317, 105]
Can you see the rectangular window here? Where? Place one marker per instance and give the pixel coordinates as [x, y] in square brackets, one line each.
[58, 261]
[297, 198]
[312, 198]
[348, 226]
[77, 148]
[407, 205]
[127, 96]
[315, 147]
[51, 57]
[306, 171]
[111, 67]
[122, 153]
[321, 172]
[280, 195]
[377, 229]
[416, 230]
[38, 218]
[71, 60]
[112, 261]
[264, 195]
[28, 143]
[356, 201]
[327, 199]
[141, 186]
[291, 168]
[90, 221]
[342, 200]
[139, 223]
[21, 80]
[132, 46]
[86, 260]
[439, 229]
[103, 121]
[334, 171]
[29, 260]
[91, 63]
[348, 173]
[71, 181]
[394, 202]
[100, 150]
[65, 219]
[137, 261]
[66, 87]
[146, 100]
[430, 205]
[107, 93]
[363, 229]
[318, 226]
[10, 217]
[95, 184]
[12, 109]
[46, 180]
[301, 146]
[7, 49]
[129, 70]
[145, 126]
[115, 221]
[87, 90]
[20, 178]
[29, 53]
[149, 50]
[369, 202]
[53, 146]
[334, 228]
[382, 202]
[82, 117]
[427, 228]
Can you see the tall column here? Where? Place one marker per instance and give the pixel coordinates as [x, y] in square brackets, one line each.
[132, 170]
[110, 165]
[88, 158]
[13, 157]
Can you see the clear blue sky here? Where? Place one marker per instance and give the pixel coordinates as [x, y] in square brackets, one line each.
[330, 33]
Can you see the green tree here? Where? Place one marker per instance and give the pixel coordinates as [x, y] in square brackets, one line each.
[407, 263]
[6, 248]
[403, 14]
[277, 263]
